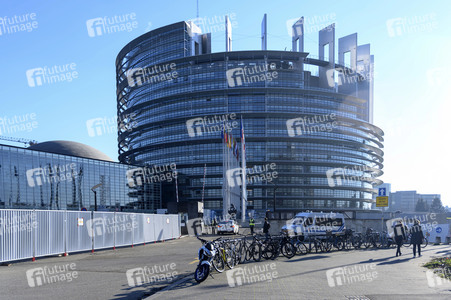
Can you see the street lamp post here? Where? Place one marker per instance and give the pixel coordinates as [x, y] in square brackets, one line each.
[274, 199]
[95, 194]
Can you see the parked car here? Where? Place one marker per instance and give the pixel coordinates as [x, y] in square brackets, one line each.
[228, 227]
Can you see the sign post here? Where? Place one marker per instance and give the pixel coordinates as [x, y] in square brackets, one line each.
[382, 201]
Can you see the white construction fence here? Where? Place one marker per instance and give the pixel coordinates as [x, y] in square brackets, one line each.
[35, 233]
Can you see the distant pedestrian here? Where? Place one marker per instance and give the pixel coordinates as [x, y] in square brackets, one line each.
[416, 237]
[252, 224]
[266, 227]
[214, 226]
[400, 236]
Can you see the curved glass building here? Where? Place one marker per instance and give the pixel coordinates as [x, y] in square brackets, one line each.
[309, 116]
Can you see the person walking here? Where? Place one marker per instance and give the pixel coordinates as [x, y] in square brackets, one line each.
[400, 236]
[416, 237]
[266, 227]
[214, 225]
[252, 224]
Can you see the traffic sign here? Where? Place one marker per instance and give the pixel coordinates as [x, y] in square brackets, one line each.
[438, 229]
[84, 209]
[382, 192]
[382, 201]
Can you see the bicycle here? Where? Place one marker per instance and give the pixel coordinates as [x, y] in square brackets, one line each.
[407, 242]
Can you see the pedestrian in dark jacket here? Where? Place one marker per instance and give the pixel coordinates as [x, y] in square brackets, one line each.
[400, 236]
[266, 227]
[251, 224]
[416, 237]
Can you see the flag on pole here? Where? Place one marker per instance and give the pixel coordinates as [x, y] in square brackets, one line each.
[243, 173]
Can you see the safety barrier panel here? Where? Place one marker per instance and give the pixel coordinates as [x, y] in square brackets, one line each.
[36, 233]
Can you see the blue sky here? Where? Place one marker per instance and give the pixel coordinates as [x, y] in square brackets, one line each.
[411, 80]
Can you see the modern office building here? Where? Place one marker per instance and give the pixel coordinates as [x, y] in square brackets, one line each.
[64, 175]
[310, 115]
[406, 201]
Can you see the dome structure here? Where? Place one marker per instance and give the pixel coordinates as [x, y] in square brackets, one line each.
[70, 148]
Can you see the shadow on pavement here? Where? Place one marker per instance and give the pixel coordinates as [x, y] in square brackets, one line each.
[396, 261]
[309, 257]
[445, 252]
[369, 261]
[145, 290]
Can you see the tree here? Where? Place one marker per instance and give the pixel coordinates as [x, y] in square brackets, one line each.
[421, 205]
[436, 206]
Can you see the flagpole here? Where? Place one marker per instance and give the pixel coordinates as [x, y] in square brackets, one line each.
[176, 185]
[243, 174]
[203, 186]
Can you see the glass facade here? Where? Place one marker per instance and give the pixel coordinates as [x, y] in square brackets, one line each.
[40, 180]
[204, 88]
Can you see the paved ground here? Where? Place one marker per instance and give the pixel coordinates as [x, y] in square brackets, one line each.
[305, 277]
[103, 275]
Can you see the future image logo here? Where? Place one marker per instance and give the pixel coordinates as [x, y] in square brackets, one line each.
[49, 75]
[311, 124]
[351, 274]
[248, 275]
[211, 124]
[48, 174]
[250, 74]
[18, 23]
[257, 173]
[151, 75]
[410, 25]
[111, 125]
[148, 275]
[341, 176]
[109, 25]
[152, 174]
[46, 275]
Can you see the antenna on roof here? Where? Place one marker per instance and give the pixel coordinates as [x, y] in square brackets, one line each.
[197, 16]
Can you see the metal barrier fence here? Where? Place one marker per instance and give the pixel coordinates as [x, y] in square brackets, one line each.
[35, 233]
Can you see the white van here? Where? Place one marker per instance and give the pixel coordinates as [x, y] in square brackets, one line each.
[313, 223]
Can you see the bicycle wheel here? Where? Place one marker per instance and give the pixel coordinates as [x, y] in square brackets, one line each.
[347, 245]
[367, 243]
[326, 246]
[377, 242]
[218, 263]
[339, 245]
[407, 243]
[425, 243]
[268, 251]
[241, 253]
[356, 242]
[301, 249]
[288, 250]
[257, 252]
[230, 258]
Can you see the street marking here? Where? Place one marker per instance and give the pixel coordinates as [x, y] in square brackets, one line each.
[194, 261]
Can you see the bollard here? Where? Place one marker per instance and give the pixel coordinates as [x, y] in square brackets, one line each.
[438, 240]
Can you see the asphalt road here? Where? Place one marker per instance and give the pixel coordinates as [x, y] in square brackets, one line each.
[366, 274]
[100, 275]
[109, 275]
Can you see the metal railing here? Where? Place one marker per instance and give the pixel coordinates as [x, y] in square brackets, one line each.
[36, 233]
